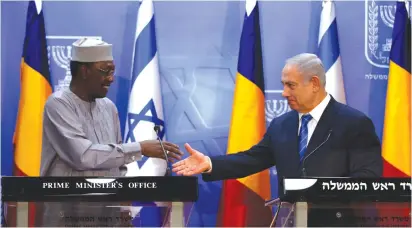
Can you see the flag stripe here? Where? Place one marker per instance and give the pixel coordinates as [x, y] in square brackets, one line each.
[35, 88]
[327, 16]
[401, 43]
[247, 123]
[328, 50]
[145, 49]
[242, 202]
[250, 60]
[396, 142]
[28, 136]
[34, 91]
[334, 82]
[248, 105]
[247, 116]
[392, 171]
[35, 42]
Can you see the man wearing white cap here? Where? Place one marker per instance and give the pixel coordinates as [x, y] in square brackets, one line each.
[81, 128]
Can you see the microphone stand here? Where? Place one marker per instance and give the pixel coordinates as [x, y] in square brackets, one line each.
[313, 151]
[168, 168]
[167, 213]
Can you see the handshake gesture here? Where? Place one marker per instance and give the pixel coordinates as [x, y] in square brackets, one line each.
[195, 164]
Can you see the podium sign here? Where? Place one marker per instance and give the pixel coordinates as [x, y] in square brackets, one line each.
[344, 189]
[343, 202]
[97, 201]
[97, 189]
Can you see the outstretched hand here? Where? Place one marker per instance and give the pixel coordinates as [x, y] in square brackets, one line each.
[195, 164]
[152, 148]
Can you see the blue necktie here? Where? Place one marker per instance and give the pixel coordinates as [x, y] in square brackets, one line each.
[303, 135]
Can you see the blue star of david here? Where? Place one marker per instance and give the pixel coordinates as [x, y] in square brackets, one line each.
[134, 119]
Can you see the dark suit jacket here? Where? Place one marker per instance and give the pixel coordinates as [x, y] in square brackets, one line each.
[344, 144]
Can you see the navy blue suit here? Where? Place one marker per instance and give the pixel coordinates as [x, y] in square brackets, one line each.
[344, 144]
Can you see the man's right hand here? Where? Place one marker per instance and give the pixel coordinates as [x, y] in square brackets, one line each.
[196, 163]
[152, 148]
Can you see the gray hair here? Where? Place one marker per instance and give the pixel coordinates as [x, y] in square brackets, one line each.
[309, 65]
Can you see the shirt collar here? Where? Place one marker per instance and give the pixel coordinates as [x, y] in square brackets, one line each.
[317, 112]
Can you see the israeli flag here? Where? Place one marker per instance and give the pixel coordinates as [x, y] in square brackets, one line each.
[329, 52]
[145, 111]
[145, 102]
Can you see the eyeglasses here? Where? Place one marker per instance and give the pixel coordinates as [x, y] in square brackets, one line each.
[107, 73]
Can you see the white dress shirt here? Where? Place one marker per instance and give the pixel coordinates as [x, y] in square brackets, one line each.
[316, 113]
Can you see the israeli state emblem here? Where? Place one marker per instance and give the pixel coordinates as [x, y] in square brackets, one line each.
[379, 20]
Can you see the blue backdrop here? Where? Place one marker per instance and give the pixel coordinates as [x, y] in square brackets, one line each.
[198, 44]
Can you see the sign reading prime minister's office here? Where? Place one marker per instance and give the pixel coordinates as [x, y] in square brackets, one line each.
[98, 185]
[184, 189]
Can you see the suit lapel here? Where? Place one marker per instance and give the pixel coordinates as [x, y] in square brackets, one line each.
[322, 128]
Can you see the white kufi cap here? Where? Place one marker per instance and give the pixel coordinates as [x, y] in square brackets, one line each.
[91, 50]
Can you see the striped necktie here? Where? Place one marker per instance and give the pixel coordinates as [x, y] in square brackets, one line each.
[303, 135]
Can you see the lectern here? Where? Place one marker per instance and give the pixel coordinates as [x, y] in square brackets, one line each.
[99, 201]
[343, 202]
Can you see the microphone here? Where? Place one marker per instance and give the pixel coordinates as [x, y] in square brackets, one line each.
[313, 151]
[279, 201]
[156, 128]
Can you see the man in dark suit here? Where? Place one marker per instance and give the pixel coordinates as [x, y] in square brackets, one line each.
[320, 137]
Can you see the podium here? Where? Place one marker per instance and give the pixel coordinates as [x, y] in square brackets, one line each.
[326, 202]
[98, 201]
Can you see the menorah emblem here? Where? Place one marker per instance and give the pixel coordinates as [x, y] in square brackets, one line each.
[275, 108]
[61, 55]
[59, 51]
[379, 20]
[388, 14]
[61, 58]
